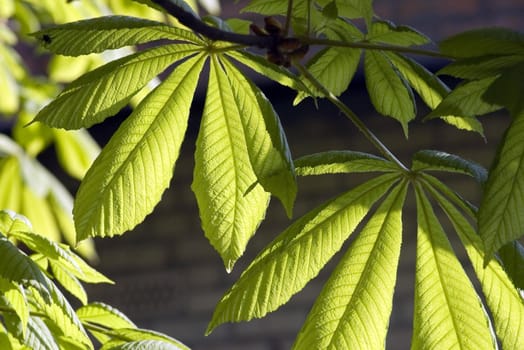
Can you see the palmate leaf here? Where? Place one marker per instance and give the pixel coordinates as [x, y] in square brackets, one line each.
[110, 32]
[128, 178]
[500, 216]
[296, 256]
[69, 282]
[353, 309]
[103, 315]
[135, 335]
[508, 89]
[334, 68]
[442, 161]
[337, 162]
[388, 91]
[353, 9]
[230, 201]
[144, 345]
[480, 67]
[265, 139]
[14, 297]
[104, 91]
[448, 312]
[505, 304]
[76, 151]
[466, 100]
[38, 336]
[389, 33]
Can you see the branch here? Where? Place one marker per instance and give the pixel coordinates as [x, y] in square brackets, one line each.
[189, 20]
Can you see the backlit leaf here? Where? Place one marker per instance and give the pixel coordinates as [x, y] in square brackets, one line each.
[76, 151]
[104, 91]
[448, 313]
[145, 345]
[505, 304]
[266, 141]
[110, 32]
[389, 33]
[512, 258]
[442, 161]
[388, 91]
[336, 162]
[128, 178]
[133, 335]
[69, 282]
[14, 294]
[230, 201]
[500, 216]
[296, 256]
[353, 309]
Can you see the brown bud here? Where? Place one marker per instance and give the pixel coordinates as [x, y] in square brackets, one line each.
[273, 27]
[257, 30]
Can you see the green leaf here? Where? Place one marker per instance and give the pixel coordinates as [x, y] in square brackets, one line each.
[354, 9]
[10, 184]
[466, 100]
[230, 200]
[61, 314]
[500, 218]
[103, 315]
[105, 90]
[334, 68]
[138, 335]
[111, 32]
[38, 336]
[353, 309]
[145, 345]
[266, 7]
[180, 3]
[69, 282]
[76, 151]
[441, 161]
[14, 294]
[484, 42]
[145, 149]
[296, 256]
[505, 303]
[387, 32]
[261, 65]
[388, 91]
[508, 90]
[337, 162]
[512, 258]
[37, 210]
[473, 68]
[448, 312]
[265, 139]
[18, 268]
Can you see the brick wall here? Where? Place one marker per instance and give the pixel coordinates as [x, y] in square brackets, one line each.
[168, 276]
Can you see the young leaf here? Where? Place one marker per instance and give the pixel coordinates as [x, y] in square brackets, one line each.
[442, 161]
[353, 309]
[296, 256]
[505, 303]
[10, 184]
[145, 149]
[230, 200]
[500, 219]
[389, 33]
[104, 33]
[474, 68]
[354, 9]
[334, 68]
[76, 151]
[104, 91]
[448, 312]
[104, 315]
[266, 7]
[388, 91]
[337, 162]
[145, 345]
[484, 42]
[39, 336]
[512, 258]
[466, 100]
[14, 295]
[265, 139]
[69, 282]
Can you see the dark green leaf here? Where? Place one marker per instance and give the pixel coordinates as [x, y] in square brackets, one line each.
[512, 258]
[442, 161]
[484, 42]
[508, 90]
[473, 68]
[389, 33]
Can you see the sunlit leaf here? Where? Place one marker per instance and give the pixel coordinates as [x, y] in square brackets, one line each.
[353, 309]
[500, 216]
[388, 91]
[448, 312]
[144, 149]
[336, 162]
[76, 151]
[296, 256]
[134, 335]
[505, 304]
[69, 282]
[14, 294]
[265, 139]
[104, 315]
[110, 32]
[145, 345]
[442, 161]
[104, 91]
[231, 202]
[38, 336]
[10, 184]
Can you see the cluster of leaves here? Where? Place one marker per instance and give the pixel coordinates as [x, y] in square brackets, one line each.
[35, 313]
[242, 158]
